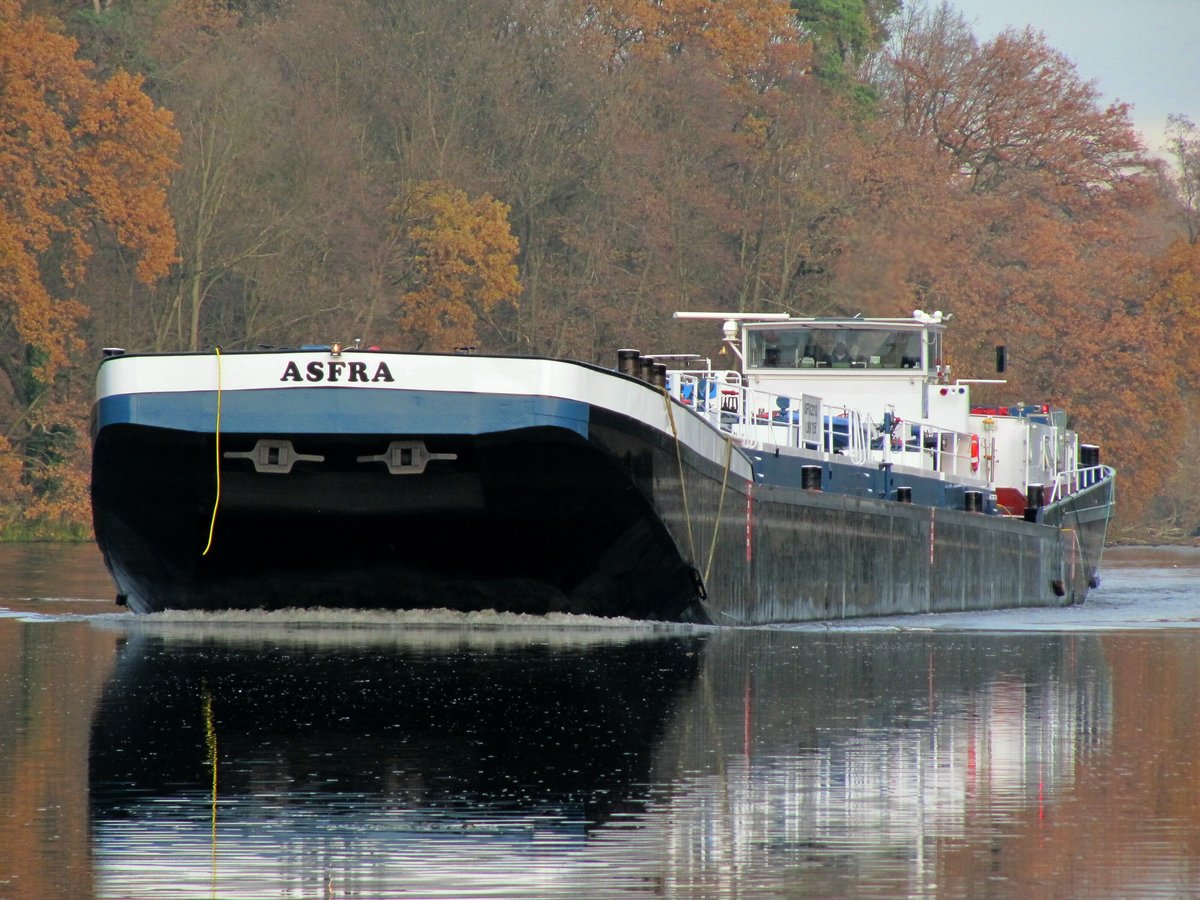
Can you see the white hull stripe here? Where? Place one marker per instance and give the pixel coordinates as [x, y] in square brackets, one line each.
[426, 394]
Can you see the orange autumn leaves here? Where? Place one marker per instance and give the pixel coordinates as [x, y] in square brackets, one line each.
[77, 157]
[746, 39]
[459, 264]
[82, 162]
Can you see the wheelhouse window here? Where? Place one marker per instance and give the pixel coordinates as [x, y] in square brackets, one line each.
[772, 347]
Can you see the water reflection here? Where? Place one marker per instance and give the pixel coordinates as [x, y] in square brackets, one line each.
[377, 756]
[395, 763]
[50, 680]
[559, 763]
[848, 762]
[58, 571]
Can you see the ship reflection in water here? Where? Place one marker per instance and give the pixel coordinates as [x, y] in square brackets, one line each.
[374, 762]
[862, 761]
[613, 762]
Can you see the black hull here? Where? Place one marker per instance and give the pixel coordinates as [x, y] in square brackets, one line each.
[529, 522]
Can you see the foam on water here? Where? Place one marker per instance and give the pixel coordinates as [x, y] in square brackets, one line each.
[425, 628]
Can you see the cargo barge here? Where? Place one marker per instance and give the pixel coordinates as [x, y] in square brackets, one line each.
[835, 470]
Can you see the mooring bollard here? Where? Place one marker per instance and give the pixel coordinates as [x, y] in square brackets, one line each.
[627, 362]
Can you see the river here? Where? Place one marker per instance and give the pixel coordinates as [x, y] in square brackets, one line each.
[306, 754]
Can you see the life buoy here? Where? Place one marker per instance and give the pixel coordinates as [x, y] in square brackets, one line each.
[974, 453]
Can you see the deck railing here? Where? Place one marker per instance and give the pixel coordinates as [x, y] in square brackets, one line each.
[761, 417]
[1075, 480]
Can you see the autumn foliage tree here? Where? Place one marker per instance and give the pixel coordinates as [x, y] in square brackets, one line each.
[1183, 144]
[1174, 303]
[84, 166]
[743, 38]
[455, 265]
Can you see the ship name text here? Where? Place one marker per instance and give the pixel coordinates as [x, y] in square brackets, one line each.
[336, 370]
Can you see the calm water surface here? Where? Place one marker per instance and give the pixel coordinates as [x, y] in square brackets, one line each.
[1045, 753]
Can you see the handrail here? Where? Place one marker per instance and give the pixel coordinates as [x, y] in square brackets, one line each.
[755, 415]
[1073, 481]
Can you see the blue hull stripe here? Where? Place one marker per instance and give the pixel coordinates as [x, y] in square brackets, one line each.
[342, 411]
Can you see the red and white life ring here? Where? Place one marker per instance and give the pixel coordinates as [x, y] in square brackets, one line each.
[974, 453]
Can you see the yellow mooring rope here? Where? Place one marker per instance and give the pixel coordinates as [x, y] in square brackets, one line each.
[217, 434]
[712, 548]
[687, 514]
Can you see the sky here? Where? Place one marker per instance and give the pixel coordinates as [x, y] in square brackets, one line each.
[1142, 52]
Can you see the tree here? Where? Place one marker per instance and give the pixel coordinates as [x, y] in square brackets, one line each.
[844, 33]
[457, 265]
[748, 39]
[1174, 302]
[1010, 106]
[74, 155]
[1183, 144]
[84, 167]
[226, 220]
